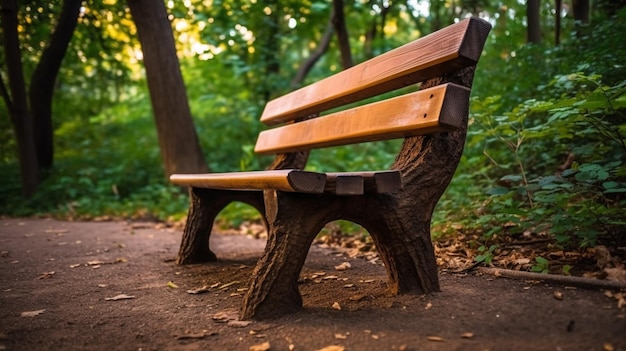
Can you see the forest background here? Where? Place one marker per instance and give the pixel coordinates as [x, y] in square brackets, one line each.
[86, 135]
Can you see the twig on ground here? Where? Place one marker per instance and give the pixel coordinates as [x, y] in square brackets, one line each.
[557, 279]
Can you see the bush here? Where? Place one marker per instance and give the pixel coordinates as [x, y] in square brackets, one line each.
[554, 167]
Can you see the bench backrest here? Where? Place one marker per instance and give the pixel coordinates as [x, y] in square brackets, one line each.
[437, 109]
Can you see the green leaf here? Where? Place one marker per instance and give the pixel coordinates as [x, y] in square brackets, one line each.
[497, 191]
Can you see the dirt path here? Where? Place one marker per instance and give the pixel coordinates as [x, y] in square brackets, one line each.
[62, 276]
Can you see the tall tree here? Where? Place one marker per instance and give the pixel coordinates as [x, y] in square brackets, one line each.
[557, 24]
[180, 148]
[321, 48]
[43, 80]
[31, 114]
[581, 10]
[16, 99]
[534, 21]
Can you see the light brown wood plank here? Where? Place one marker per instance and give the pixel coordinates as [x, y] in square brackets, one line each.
[437, 109]
[285, 180]
[444, 51]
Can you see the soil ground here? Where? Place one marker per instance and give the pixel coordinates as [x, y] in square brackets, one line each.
[59, 278]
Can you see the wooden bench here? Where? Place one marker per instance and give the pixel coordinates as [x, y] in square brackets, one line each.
[395, 206]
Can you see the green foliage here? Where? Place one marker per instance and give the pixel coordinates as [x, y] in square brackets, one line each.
[545, 149]
[552, 166]
[105, 165]
[541, 265]
[485, 254]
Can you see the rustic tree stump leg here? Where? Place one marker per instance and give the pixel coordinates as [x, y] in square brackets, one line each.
[293, 220]
[405, 247]
[205, 205]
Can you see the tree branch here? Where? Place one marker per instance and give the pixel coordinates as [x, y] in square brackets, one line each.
[339, 23]
[315, 56]
[5, 96]
[555, 279]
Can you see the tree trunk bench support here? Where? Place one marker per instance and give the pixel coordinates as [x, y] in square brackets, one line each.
[395, 206]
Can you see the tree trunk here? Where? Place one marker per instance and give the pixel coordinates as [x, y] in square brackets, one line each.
[339, 22]
[306, 66]
[44, 77]
[374, 31]
[557, 23]
[180, 149]
[533, 31]
[581, 10]
[16, 101]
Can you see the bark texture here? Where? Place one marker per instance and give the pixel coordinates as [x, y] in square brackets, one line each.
[180, 149]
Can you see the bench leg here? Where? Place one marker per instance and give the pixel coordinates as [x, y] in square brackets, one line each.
[274, 287]
[205, 205]
[401, 238]
[404, 245]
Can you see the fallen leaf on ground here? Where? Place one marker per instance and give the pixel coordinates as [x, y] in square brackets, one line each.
[434, 338]
[171, 284]
[75, 265]
[260, 347]
[467, 335]
[428, 306]
[558, 295]
[341, 336]
[32, 313]
[357, 297]
[332, 348]
[343, 266]
[615, 274]
[200, 335]
[95, 263]
[199, 290]
[226, 315]
[119, 297]
[238, 324]
[336, 306]
[46, 275]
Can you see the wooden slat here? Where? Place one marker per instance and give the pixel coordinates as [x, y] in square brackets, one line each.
[444, 51]
[344, 184]
[437, 109]
[357, 183]
[285, 180]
